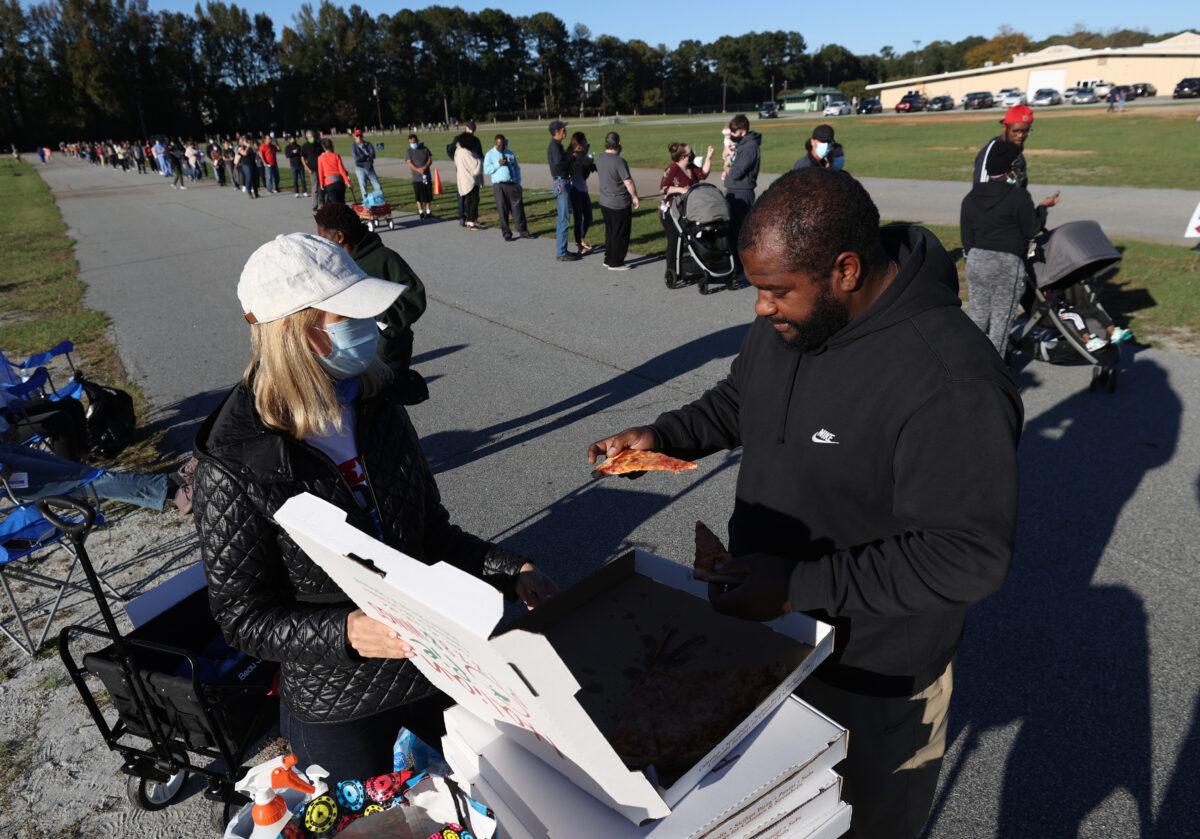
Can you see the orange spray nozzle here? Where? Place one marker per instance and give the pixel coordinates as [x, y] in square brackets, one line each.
[285, 777]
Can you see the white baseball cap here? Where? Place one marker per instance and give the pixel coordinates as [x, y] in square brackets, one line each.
[297, 271]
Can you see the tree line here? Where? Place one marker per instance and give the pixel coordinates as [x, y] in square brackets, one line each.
[114, 68]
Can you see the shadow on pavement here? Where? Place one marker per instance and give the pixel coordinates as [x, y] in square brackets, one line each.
[180, 421]
[1063, 656]
[451, 449]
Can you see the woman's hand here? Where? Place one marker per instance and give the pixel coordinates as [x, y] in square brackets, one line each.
[710, 153]
[372, 639]
[533, 587]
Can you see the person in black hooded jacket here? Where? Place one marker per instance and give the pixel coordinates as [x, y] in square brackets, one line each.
[314, 413]
[997, 222]
[877, 488]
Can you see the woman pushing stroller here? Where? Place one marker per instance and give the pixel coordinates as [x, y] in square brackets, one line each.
[997, 222]
[679, 176]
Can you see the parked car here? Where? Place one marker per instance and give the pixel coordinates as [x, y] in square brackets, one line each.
[1084, 96]
[768, 110]
[911, 102]
[1011, 97]
[838, 109]
[1145, 89]
[1070, 92]
[1101, 89]
[978, 100]
[1047, 96]
[870, 106]
[1187, 89]
[941, 103]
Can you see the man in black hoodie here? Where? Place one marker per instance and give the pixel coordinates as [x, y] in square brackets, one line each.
[878, 482]
[997, 222]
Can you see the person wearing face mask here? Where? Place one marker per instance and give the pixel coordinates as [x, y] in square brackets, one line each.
[315, 413]
[822, 151]
[420, 162]
[677, 179]
[342, 226]
[997, 221]
[741, 176]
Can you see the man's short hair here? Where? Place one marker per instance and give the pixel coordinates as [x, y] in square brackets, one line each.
[413, 137]
[739, 123]
[341, 217]
[500, 137]
[814, 214]
[611, 140]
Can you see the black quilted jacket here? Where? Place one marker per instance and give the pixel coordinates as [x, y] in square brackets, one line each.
[269, 598]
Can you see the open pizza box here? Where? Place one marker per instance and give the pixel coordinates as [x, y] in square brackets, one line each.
[630, 656]
[783, 766]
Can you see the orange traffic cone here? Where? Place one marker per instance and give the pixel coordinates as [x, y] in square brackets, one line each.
[437, 182]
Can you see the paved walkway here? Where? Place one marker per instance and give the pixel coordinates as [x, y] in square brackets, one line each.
[1075, 708]
[1157, 215]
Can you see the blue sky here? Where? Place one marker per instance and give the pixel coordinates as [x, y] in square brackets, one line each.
[863, 27]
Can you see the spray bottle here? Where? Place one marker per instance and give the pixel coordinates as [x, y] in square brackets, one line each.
[270, 812]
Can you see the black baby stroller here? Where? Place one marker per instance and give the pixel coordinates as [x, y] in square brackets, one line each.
[177, 689]
[703, 251]
[1065, 272]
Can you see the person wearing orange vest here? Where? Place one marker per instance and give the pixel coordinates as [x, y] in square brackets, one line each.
[331, 173]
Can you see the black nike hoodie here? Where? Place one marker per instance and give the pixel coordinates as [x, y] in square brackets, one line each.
[884, 464]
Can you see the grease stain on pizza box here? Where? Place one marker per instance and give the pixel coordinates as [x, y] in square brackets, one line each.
[594, 682]
[783, 766]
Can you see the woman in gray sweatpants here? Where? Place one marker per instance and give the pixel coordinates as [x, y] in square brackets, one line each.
[998, 220]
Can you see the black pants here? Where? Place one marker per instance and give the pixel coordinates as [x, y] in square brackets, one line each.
[616, 234]
[581, 213]
[141, 165]
[62, 423]
[672, 246]
[299, 182]
[509, 199]
[335, 191]
[317, 193]
[422, 192]
[740, 201]
[250, 180]
[470, 202]
[219, 171]
[362, 748]
[178, 171]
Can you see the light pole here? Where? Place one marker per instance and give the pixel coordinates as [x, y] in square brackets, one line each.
[916, 58]
[378, 111]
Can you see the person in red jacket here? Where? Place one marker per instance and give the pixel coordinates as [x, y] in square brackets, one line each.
[268, 152]
[331, 174]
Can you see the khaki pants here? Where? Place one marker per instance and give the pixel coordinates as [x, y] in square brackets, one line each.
[895, 755]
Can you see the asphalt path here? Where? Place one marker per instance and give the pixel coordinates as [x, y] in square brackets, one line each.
[1076, 709]
[1156, 215]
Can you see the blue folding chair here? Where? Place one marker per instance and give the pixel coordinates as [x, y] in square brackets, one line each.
[73, 389]
[26, 537]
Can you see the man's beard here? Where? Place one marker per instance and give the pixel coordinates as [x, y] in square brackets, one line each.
[827, 318]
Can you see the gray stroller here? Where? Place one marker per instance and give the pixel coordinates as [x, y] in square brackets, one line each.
[1067, 267]
[704, 252]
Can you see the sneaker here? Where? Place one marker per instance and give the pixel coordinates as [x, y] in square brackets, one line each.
[243, 189]
[1120, 335]
[304, 194]
[528, 235]
[617, 267]
[297, 195]
[1095, 344]
[568, 257]
[508, 237]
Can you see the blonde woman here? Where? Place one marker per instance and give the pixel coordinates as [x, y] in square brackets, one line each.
[315, 413]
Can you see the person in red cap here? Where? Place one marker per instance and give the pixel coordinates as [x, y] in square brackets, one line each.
[1015, 128]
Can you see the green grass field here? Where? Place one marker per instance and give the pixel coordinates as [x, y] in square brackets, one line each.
[1083, 147]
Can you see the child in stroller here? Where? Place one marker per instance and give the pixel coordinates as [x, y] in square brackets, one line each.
[1076, 307]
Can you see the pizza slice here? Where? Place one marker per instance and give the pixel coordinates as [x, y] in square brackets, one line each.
[635, 461]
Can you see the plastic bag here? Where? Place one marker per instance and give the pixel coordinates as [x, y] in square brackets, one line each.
[373, 199]
[410, 753]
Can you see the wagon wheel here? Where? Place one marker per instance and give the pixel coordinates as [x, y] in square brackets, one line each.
[702, 286]
[148, 794]
[391, 224]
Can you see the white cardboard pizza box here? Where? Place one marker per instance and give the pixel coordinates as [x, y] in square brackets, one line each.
[795, 826]
[516, 679]
[783, 766]
[510, 826]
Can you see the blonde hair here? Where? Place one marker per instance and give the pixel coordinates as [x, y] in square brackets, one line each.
[292, 391]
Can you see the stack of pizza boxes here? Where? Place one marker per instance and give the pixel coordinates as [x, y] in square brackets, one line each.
[625, 707]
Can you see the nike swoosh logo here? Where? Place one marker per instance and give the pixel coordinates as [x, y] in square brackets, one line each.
[825, 438]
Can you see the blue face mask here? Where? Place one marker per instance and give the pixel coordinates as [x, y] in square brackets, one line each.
[355, 343]
[821, 149]
[413, 145]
